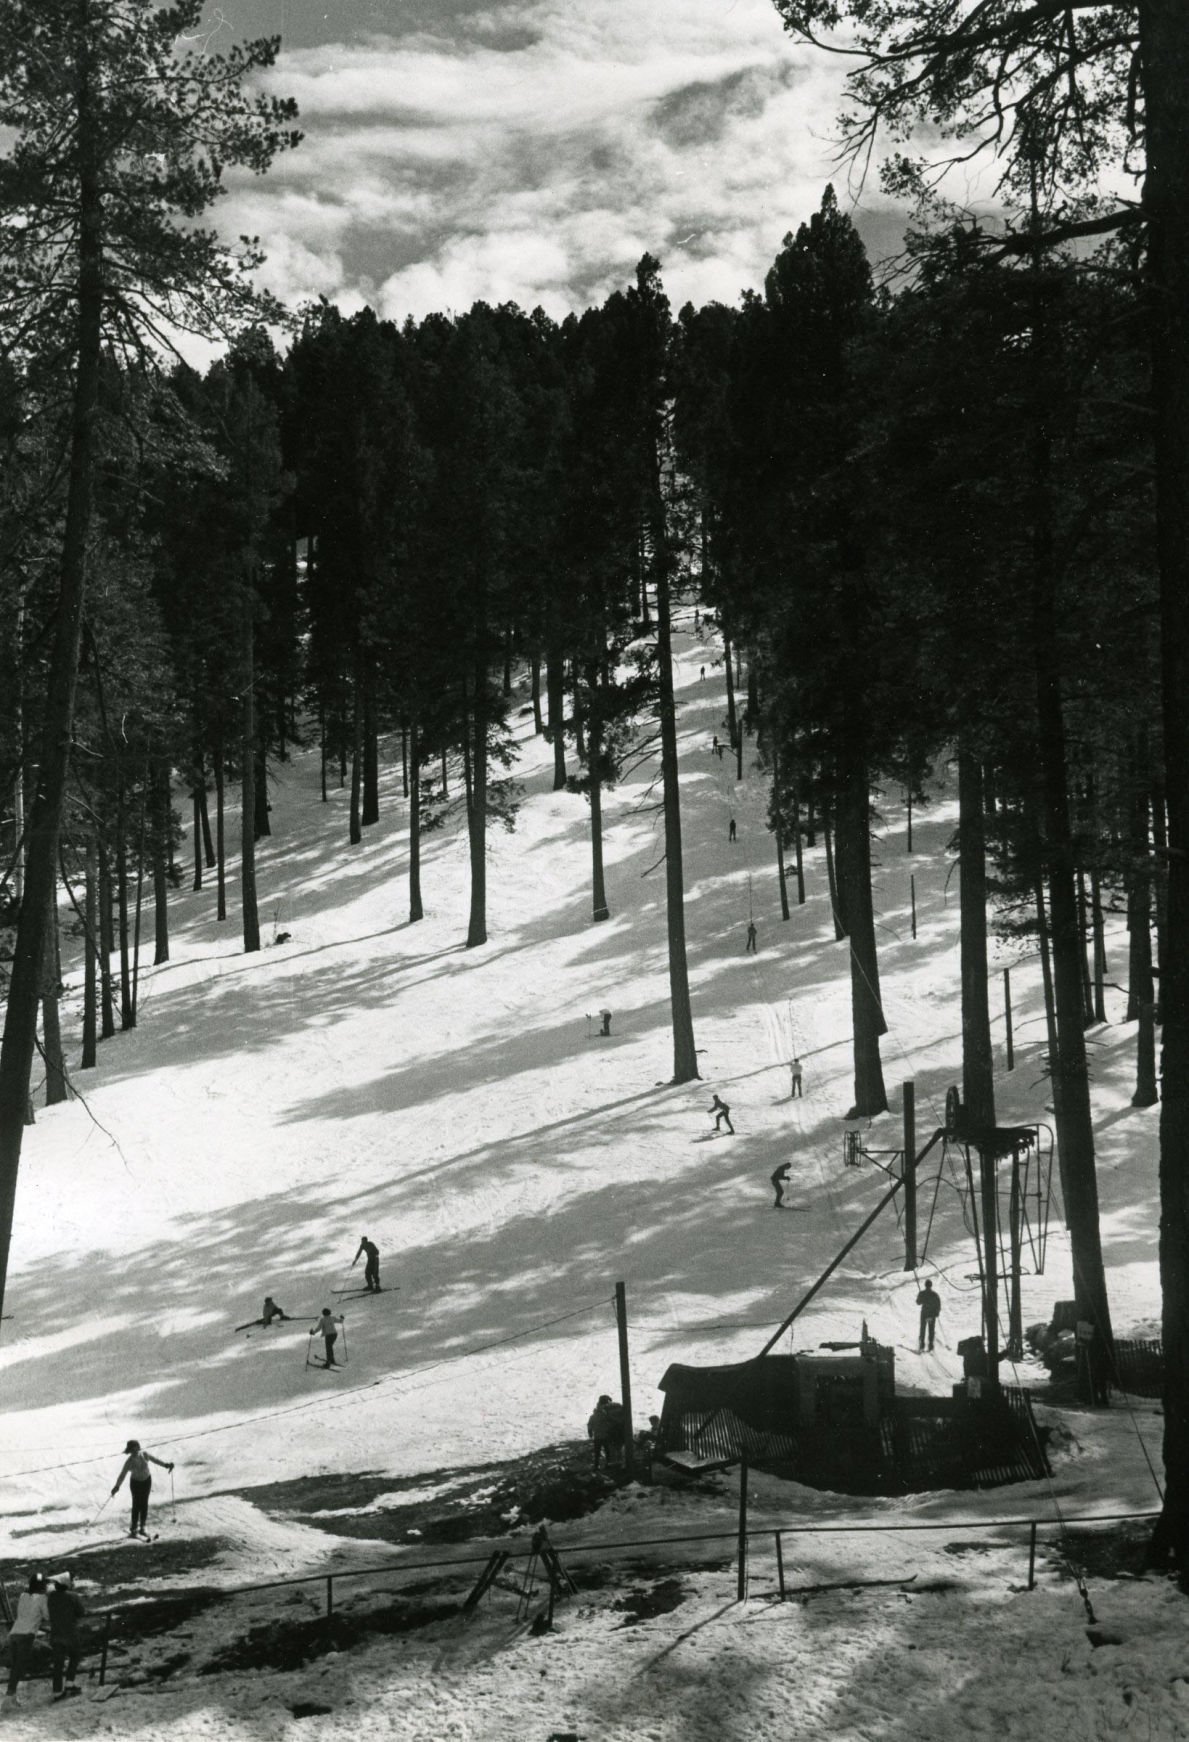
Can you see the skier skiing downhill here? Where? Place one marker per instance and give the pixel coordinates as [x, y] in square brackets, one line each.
[140, 1482]
[721, 1111]
[371, 1269]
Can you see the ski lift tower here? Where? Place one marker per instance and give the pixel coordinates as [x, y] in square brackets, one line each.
[1014, 1162]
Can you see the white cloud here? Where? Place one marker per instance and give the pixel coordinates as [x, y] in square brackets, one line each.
[448, 169]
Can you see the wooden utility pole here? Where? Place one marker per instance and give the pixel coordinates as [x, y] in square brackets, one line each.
[1011, 1056]
[741, 1587]
[1015, 1311]
[989, 1181]
[909, 1170]
[625, 1378]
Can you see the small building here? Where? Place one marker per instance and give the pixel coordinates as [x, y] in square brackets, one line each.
[833, 1420]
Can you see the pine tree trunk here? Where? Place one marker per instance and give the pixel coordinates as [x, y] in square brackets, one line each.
[140, 858]
[685, 1057]
[778, 831]
[832, 883]
[261, 827]
[251, 916]
[90, 961]
[1084, 952]
[127, 1015]
[555, 701]
[733, 732]
[56, 1088]
[355, 826]
[107, 1010]
[1099, 933]
[978, 1079]
[404, 755]
[220, 827]
[45, 811]
[1075, 1127]
[506, 687]
[579, 723]
[322, 744]
[538, 722]
[161, 832]
[798, 851]
[477, 811]
[1141, 996]
[600, 910]
[1164, 60]
[208, 845]
[371, 756]
[852, 840]
[416, 911]
[1160, 874]
[197, 830]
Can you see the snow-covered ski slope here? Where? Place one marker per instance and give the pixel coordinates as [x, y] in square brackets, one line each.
[374, 1077]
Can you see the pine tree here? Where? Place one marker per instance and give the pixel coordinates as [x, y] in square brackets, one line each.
[120, 139]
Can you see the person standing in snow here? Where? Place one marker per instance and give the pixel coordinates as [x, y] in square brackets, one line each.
[751, 936]
[605, 1430]
[140, 1482]
[65, 1612]
[721, 1111]
[731, 830]
[30, 1617]
[796, 1073]
[371, 1270]
[779, 1178]
[327, 1329]
[930, 1304]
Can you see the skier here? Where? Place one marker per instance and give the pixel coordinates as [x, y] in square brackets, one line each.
[31, 1612]
[327, 1329]
[721, 1111]
[779, 1177]
[272, 1311]
[714, 745]
[371, 1269]
[65, 1612]
[140, 1481]
[751, 936]
[731, 830]
[796, 1070]
[930, 1305]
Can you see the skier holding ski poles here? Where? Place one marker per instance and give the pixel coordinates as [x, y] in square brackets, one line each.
[140, 1482]
[328, 1329]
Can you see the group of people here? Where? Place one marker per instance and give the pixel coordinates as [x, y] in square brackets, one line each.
[51, 1603]
[328, 1322]
[606, 1430]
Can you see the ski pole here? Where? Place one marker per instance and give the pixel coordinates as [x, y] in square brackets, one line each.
[92, 1521]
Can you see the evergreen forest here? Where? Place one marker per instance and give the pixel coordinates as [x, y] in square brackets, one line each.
[933, 507]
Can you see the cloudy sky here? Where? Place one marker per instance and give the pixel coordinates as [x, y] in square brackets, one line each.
[532, 150]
